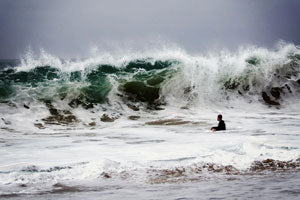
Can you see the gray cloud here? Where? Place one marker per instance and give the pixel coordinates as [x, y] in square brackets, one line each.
[68, 28]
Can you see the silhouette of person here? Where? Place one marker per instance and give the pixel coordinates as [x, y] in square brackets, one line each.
[221, 126]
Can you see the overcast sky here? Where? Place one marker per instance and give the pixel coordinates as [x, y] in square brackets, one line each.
[70, 28]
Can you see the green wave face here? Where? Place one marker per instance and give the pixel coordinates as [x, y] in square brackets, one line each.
[270, 76]
[140, 80]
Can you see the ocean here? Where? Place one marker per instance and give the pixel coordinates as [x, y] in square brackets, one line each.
[136, 125]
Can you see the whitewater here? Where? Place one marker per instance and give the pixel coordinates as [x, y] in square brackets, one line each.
[137, 125]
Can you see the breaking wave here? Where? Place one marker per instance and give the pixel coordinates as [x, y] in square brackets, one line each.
[153, 79]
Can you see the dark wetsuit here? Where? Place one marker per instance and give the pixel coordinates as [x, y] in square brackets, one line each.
[220, 127]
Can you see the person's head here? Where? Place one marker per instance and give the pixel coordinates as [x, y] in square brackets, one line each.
[219, 117]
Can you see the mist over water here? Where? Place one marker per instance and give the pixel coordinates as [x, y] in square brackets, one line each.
[141, 119]
[68, 30]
